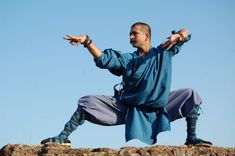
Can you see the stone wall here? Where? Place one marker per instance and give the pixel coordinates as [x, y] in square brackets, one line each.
[58, 150]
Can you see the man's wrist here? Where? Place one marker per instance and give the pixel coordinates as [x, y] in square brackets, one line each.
[87, 41]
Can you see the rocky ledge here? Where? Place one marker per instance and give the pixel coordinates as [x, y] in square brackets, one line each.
[58, 150]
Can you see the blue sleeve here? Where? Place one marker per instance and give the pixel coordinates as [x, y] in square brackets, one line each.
[112, 60]
[176, 48]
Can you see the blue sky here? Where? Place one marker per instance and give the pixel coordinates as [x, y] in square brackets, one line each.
[42, 76]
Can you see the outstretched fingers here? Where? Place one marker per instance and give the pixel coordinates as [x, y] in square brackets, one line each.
[68, 37]
[169, 43]
[73, 40]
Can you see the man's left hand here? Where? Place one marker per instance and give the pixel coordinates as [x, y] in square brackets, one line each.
[172, 40]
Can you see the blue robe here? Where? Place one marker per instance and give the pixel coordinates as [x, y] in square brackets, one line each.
[146, 87]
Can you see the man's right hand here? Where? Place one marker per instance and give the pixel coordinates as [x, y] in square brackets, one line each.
[78, 40]
[75, 40]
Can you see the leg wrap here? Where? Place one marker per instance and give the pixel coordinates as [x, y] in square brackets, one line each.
[191, 120]
[77, 119]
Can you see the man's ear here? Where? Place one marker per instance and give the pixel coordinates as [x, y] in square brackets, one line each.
[147, 36]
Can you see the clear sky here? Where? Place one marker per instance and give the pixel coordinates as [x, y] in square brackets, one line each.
[42, 76]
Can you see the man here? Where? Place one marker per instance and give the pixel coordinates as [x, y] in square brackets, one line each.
[144, 103]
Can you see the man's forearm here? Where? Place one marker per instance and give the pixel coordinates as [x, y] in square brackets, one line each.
[95, 52]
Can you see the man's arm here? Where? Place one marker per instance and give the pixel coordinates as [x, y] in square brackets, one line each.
[175, 38]
[84, 39]
[112, 60]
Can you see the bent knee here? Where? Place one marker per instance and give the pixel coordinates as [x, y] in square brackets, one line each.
[193, 95]
[86, 100]
[189, 91]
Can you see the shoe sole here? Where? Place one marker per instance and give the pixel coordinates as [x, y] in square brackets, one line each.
[200, 145]
[66, 144]
[63, 144]
[204, 145]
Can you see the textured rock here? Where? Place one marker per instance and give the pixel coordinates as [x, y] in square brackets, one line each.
[58, 150]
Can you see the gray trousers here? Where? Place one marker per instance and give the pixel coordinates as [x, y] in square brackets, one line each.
[107, 110]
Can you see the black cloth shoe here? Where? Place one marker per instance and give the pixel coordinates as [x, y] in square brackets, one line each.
[198, 142]
[57, 140]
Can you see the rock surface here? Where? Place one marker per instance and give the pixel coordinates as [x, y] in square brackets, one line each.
[58, 150]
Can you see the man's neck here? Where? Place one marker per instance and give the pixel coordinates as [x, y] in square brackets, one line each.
[144, 50]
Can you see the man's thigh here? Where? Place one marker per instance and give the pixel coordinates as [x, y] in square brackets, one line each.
[181, 102]
[103, 110]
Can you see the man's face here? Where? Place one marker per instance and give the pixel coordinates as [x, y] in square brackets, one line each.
[137, 36]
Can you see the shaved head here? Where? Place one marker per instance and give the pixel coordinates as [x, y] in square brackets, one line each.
[144, 27]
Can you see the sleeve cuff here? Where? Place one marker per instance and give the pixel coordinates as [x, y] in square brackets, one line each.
[98, 61]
